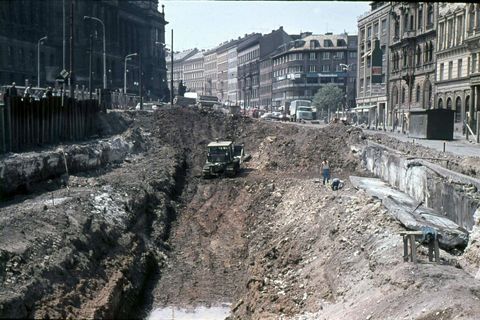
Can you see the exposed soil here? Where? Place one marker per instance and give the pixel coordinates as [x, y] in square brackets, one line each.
[274, 242]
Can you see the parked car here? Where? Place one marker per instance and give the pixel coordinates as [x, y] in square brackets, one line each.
[148, 106]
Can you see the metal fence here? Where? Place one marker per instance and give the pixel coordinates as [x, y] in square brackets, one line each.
[26, 123]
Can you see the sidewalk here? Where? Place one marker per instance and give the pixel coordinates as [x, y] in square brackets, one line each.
[459, 146]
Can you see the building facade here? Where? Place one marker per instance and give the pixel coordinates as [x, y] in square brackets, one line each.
[472, 40]
[222, 74]
[412, 60]
[266, 74]
[301, 67]
[211, 72]
[452, 85]
[130, 27]
[179, 59]
[193, 73]
[372, 97]
[248, 56]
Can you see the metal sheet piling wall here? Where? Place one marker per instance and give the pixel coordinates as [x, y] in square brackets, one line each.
[27, 124]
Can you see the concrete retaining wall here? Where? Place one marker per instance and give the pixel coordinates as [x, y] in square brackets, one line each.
[449, 193]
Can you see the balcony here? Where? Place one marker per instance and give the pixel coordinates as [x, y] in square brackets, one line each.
[409, 34]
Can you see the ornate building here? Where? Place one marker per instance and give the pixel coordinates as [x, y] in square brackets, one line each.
[130, 27]
[412, 59]
[453, 58]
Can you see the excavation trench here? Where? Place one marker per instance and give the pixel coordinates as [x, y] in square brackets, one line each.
[149, 237]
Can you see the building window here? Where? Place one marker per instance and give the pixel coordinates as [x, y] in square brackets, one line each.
[430, 15]
[449, 104]
[459, 30]
[468, 66]
[474, 62]
[313, 56]
[326, 55]
[417, 94]
[369, 33]
[450, 69]
[403, 94]
[419, 55]
[397, 28]
[375, 30]
[459, 68]
[312, 68]
[384, 26]
[420, 17]
[326, 68]
[430, 51]
[440, 103]
[471, 24]
[441, 71]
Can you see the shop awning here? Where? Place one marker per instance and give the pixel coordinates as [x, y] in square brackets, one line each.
[364, 108]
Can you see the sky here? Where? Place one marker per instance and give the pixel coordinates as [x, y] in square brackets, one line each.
[205, 24]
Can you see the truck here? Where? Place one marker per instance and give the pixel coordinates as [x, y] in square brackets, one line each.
[300, 110]
[224, 158]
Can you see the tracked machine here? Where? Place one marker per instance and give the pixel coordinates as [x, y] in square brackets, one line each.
[224, 158]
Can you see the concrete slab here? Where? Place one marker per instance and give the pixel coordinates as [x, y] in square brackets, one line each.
[412, 214]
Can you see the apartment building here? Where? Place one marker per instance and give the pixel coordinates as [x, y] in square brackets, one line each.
[179, 59]
[302, 66]
[211, 72]
[412, 59]
[193, 73]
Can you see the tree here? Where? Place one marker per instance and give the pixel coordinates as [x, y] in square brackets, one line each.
[328, 98]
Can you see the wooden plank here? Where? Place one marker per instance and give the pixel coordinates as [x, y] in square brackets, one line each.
[430, 251]
[413, 248]
[437, 250]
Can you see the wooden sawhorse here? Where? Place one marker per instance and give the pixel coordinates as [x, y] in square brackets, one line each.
[409, 243]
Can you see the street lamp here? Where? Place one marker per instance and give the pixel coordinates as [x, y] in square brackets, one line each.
[127, 57]
[38, 59]
[104, 50]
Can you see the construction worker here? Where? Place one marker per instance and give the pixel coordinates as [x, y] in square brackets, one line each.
[325, 171]
[337, 184]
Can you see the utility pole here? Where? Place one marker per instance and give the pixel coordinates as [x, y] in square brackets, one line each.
[71, 79]
[171, 73]
[90, 68]
[64, 46]
[140, 80]
[38, 59]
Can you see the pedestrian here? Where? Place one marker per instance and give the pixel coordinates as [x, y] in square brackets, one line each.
[12, 91]
[337, 184]
[28, 92]
[48, 93]
[325, 171]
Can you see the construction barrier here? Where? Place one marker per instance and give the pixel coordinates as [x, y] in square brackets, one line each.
[26, 124]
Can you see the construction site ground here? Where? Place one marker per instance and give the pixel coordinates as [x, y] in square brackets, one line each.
[149, 232]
